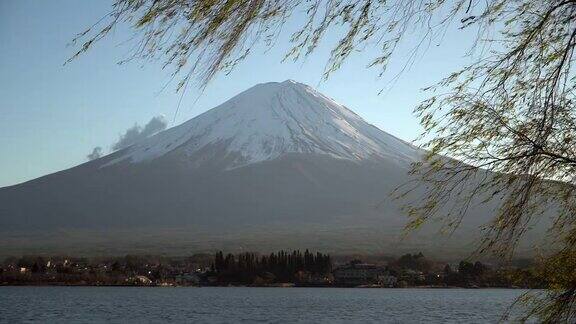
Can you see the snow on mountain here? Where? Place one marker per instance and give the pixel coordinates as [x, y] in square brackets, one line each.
[271, 119]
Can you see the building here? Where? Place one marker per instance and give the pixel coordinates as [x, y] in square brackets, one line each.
[139, 280]
[413, 277]
[388, 281]
[358, 273]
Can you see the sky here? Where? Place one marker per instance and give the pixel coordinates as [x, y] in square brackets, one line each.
[52, 115]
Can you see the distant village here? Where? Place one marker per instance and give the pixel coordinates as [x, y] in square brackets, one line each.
[280, 269]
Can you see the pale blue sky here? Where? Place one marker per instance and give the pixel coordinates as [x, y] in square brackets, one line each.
[51, 115]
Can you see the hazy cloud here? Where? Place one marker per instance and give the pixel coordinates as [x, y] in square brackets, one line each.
[137, 132]
[96, 153]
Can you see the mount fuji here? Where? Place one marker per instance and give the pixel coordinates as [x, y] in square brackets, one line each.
[277, 166]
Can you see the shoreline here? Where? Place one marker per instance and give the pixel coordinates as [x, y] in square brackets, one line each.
[249, 286]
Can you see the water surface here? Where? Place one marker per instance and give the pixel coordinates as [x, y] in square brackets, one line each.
[264, 305]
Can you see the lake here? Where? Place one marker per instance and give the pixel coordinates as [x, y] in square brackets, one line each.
[264, 305]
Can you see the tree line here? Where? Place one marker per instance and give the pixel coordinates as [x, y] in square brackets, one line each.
[282, 266]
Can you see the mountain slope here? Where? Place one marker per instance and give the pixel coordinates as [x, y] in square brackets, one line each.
[278, 166]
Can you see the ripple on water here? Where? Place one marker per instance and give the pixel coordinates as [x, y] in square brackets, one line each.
[265, 305]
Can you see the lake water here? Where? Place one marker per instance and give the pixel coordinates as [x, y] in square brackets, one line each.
[264, 305]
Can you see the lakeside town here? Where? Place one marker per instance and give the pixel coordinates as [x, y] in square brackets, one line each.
[280, 269]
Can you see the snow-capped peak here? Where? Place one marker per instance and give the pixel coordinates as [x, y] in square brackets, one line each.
[272, 119]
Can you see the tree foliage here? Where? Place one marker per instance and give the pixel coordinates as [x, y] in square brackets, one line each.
[509, 116]
[284, 266]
